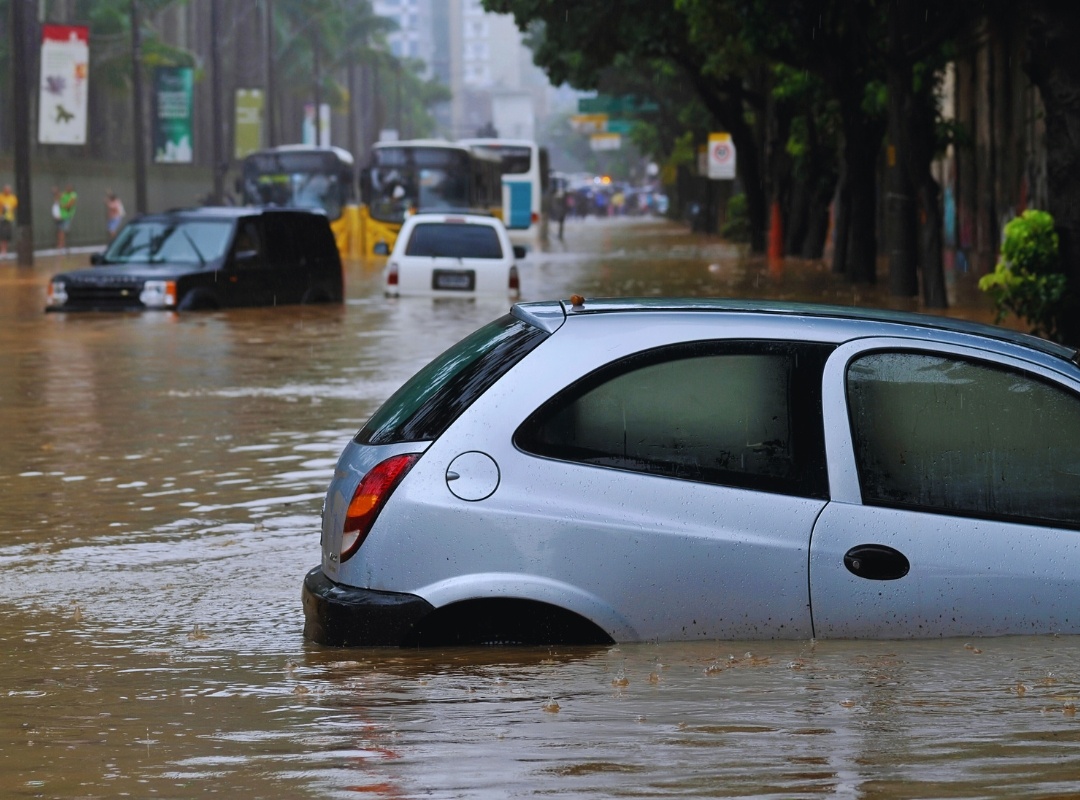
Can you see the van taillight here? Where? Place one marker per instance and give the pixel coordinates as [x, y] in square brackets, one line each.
[535, 218]
[515, 281]
[368, 500]
[392, 275]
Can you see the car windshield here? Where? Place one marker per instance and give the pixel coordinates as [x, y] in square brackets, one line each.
[454, 240]
[176, 241]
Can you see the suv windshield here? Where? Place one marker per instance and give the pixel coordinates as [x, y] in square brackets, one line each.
[175, 241]
[435, 396]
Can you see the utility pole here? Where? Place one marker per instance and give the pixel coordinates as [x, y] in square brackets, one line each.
[215, 83]
[318, 84]
[271, 131]
[23, 80]
[138, 127]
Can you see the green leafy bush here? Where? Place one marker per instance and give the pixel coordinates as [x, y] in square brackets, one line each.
[1027, 280]
[736, 227]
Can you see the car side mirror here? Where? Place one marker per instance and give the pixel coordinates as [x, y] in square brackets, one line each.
[246, 258]
[97, 259]
[381, 249]
[520, 251]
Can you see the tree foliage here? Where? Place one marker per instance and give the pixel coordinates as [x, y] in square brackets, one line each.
[1027, 280]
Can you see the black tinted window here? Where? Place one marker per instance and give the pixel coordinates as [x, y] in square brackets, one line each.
[454, 240]
[433, 398]
[742, 414]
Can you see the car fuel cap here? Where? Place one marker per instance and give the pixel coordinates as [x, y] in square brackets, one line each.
[473, 476]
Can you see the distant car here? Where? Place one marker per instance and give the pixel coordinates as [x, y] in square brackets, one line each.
[206, 258]
[453, 255]
[658, 470]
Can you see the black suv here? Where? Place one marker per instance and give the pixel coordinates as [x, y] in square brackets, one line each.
[205, 258]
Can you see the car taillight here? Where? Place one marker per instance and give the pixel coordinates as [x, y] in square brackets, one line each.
[515, 281]
[535, 218]
[368, 500]
[392, 274]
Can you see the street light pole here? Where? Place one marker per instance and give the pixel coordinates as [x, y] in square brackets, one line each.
[24, 79]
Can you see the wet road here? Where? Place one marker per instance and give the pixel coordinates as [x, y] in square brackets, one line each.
[160, 483]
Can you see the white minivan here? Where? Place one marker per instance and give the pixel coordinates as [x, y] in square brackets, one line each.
[453, 255]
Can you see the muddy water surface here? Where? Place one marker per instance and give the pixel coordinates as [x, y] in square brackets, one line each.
[160, 485]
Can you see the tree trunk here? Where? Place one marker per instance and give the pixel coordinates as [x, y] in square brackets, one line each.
[1054, 67]
[931, 242]
[753, 183]
[842, 223]
[862, 140]
[901, 228]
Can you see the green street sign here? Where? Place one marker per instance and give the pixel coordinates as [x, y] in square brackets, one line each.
[622, 126]
[615, 105]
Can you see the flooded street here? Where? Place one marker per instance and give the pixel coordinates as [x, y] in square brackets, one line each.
[161, 477]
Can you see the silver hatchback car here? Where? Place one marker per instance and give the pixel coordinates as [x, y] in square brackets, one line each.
[619, 470]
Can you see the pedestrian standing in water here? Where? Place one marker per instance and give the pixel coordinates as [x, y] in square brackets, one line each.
[114, 213]
[8, 203]
[67, 201]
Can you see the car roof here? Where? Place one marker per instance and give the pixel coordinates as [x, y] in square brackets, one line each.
[430, 217]
[551, 314]
[225, 212]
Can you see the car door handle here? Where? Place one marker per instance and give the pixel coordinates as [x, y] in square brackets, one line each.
[876, 562]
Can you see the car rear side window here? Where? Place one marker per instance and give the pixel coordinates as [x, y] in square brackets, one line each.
[454, 240]
[744, 414]
[425, 406]
[950, 435]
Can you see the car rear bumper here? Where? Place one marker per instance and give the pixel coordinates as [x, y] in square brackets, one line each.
[345, 616]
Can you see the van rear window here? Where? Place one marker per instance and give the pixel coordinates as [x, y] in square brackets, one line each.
[425, 406]
[454, 240]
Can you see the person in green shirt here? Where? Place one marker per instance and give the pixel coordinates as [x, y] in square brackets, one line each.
[67, 201]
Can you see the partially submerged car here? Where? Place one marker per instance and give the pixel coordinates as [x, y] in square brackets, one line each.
[453, 255]
[206, 258]
[619, 470]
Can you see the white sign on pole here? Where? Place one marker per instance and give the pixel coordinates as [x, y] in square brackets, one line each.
[721, 157]
[62, 104]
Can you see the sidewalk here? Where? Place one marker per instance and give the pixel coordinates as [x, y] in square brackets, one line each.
[52, 253]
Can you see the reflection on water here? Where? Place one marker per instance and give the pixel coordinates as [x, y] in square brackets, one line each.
[162, 477]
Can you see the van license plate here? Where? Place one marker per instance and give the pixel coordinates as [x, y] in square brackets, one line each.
[461, 280]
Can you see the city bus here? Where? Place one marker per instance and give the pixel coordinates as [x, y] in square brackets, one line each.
[524, 187]
[302, 176]
[409, 177]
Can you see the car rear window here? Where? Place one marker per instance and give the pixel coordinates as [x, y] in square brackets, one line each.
[425, 406]
[454, 240]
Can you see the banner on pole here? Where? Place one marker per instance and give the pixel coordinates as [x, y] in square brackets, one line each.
[173, 87]
[249, 118]
[65, 66]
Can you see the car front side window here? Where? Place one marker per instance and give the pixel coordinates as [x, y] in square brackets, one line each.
[952, 435]
[745, 414]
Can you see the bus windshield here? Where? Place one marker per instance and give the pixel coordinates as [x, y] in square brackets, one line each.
[409, 179]
[295, 180]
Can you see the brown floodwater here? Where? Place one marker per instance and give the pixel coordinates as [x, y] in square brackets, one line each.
[160, 483]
